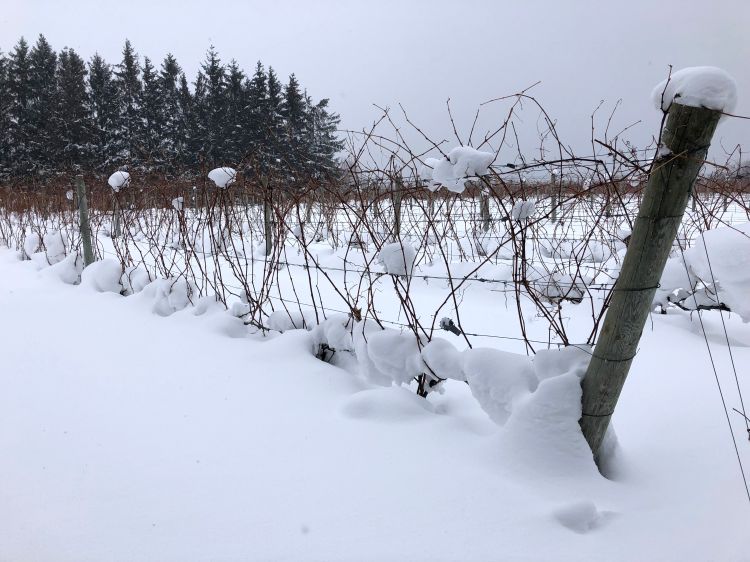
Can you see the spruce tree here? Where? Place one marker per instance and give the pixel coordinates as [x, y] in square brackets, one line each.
[293, 111]
[212, 108]
[5, 117]
[73, 126]
[129, 135]
[173, 135]
[274, 123]
[183, 143]
[256, 111]
[41, 107]
[235, 117]
[19, 81]
[152, 118]
[105, 114]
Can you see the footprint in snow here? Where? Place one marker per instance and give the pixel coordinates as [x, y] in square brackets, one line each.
[582, 516]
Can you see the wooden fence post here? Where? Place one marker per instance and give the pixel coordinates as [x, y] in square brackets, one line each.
[83, 216]
[397, 195]
[484, 209]
[267, 215]
[686, 136]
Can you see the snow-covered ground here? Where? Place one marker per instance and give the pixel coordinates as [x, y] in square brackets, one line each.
[131, 436]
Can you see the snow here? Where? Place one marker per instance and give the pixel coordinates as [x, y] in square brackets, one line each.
[31, 244]
[190, 437]
[697, 86]
[103, 276]
[223, 177]
[178, 203]
[462, 163]
[118, 180]
[55, 245]
[523, 210]
[398, 258]
[727, 264]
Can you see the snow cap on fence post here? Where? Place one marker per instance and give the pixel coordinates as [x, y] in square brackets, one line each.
[118, 180]
[697, 86]
[223, 177]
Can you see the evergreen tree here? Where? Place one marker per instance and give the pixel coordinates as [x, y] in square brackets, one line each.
[129, 135]
[21, 93]
[198, 142]
[174, 131]
[73, 126]
[5, 117]
[41, 107]
[211, 105]
[256, 111]
[152, 117]
[273, 126]
[293, 111]
[186, 125]
[235, 117]
[105, 114]
[323, 142]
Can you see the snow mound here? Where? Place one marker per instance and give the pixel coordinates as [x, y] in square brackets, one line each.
[728, 264]
[103, 276]
[697, 86]
[118, 180]
[223, 177]
[134, 279]
[31, 244]
[443, 359]
[581, 516]
[498, 380]
[55, 245]
[462, 163]
[392, 405]
[394, 355]
[68, 270]
[397, 258]
[168, 296]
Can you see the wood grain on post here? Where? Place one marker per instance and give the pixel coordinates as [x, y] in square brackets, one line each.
[83, 216]
[685, 141]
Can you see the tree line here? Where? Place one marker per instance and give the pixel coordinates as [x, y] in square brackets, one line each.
[60, 114]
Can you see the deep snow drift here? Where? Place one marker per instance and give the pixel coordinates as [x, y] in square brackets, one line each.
[134, 436]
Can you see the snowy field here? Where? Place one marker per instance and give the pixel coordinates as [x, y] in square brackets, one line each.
[132, 436]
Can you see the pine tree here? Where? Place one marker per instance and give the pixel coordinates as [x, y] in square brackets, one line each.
[73, 126]
[324, 141]
[5, 117]
[174, 131]
[182, 140]
[256, 111]
[235, 117]
[105, 114]
[129, 136]
[152, 118]
[293, 111]
[41, 107]
[19, 81]
[274, 123]
[212, 108]
[197, 134]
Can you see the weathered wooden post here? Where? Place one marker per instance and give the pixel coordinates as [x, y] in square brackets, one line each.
[83, 216]
[397, 195]
[685, 139]
[267, 215]
[484, 209]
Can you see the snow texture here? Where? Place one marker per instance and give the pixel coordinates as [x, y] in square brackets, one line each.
[103, 276]
[697, 86]
[118, 180]
[722, 257]
[55, 245]
[398, 258]
[523, 210]
[223, 177]
[463, 163]
[31, 244]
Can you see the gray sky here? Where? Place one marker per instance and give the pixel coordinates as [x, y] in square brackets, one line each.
[420, 53]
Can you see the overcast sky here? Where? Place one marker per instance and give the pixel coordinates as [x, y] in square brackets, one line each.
[421, 53]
